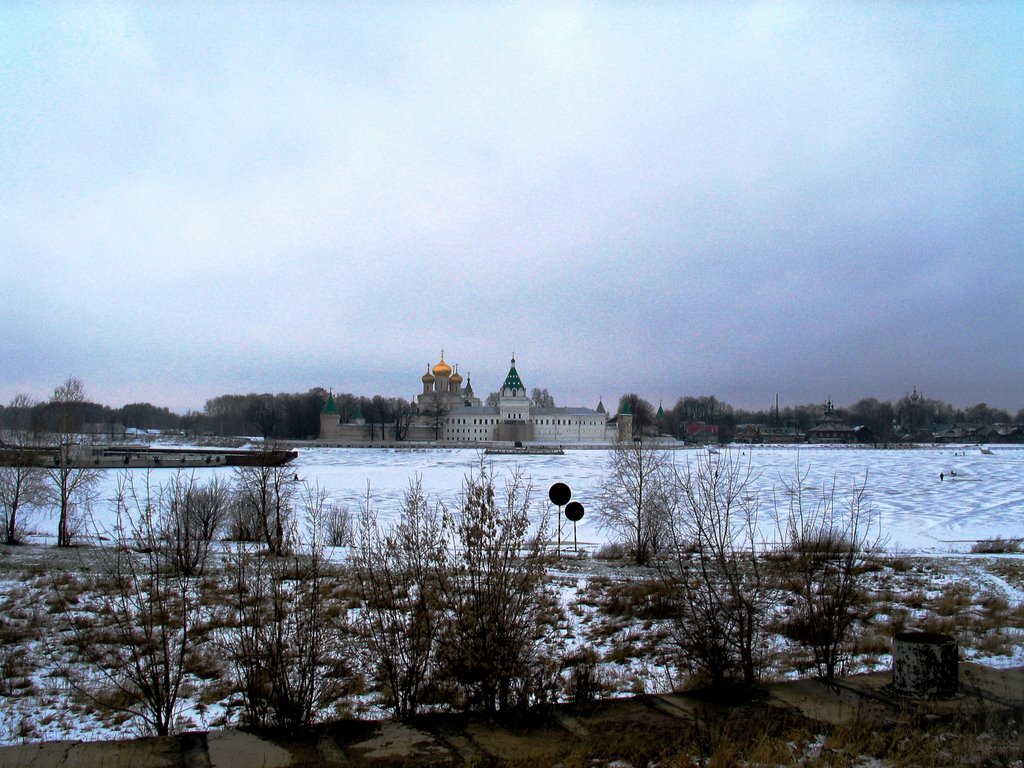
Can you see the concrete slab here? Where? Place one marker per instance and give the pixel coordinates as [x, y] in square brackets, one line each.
[238, 749]
[151, 753]
[817, 700]
[1003, 685]
[529, 744]
[397, 741]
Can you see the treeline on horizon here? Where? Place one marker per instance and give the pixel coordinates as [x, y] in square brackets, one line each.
[296, 416]
[908, 415]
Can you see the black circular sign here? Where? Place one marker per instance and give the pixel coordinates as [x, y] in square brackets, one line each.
[574, 511]
[559, 494]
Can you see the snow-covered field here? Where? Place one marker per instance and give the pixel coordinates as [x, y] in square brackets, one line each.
[980, 497]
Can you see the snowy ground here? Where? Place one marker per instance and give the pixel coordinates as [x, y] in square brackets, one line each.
[926, 580]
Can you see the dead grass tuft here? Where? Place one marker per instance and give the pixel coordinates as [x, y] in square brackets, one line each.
[954, 599]
[641, 600]
[996, 546]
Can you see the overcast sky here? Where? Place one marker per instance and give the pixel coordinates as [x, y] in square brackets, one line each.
[735, 199]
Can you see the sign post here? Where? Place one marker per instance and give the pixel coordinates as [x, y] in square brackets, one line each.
[559, 493]
[574, 511]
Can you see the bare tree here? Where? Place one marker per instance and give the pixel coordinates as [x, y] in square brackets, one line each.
[715, 569]
[339, 526]
[381, 412]
[286, 640]
[264, 496]
[437, 413]
[70, 482]
[634, 496]
[405, 415]
[262, 413]
[194, 514]
[144, 644]
[494, 647]
[826, 543]
[398, 571]
[21, 480]
[541, 398]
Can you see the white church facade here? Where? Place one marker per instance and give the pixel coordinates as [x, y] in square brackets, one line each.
[448, 412]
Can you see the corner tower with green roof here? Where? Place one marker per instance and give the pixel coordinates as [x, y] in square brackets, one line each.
[330, 409]
[329, 416]
[625, 422]
[513, 403]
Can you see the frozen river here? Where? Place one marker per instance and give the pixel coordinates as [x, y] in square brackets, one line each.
[981, 495]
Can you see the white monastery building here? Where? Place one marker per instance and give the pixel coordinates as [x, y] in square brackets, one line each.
[449, 413]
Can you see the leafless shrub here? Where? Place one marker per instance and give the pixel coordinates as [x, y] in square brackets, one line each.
[287, 647]
[398, 571]
[243, 520]
[139, 638]
[338, 526]
[264, 501]
[495, 646]
[827, 542]
[633, 499]
[195, 514]
[714, 567]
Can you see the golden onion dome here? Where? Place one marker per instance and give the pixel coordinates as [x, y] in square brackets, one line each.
[456, 377]
[442, 368]
[427, 377]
